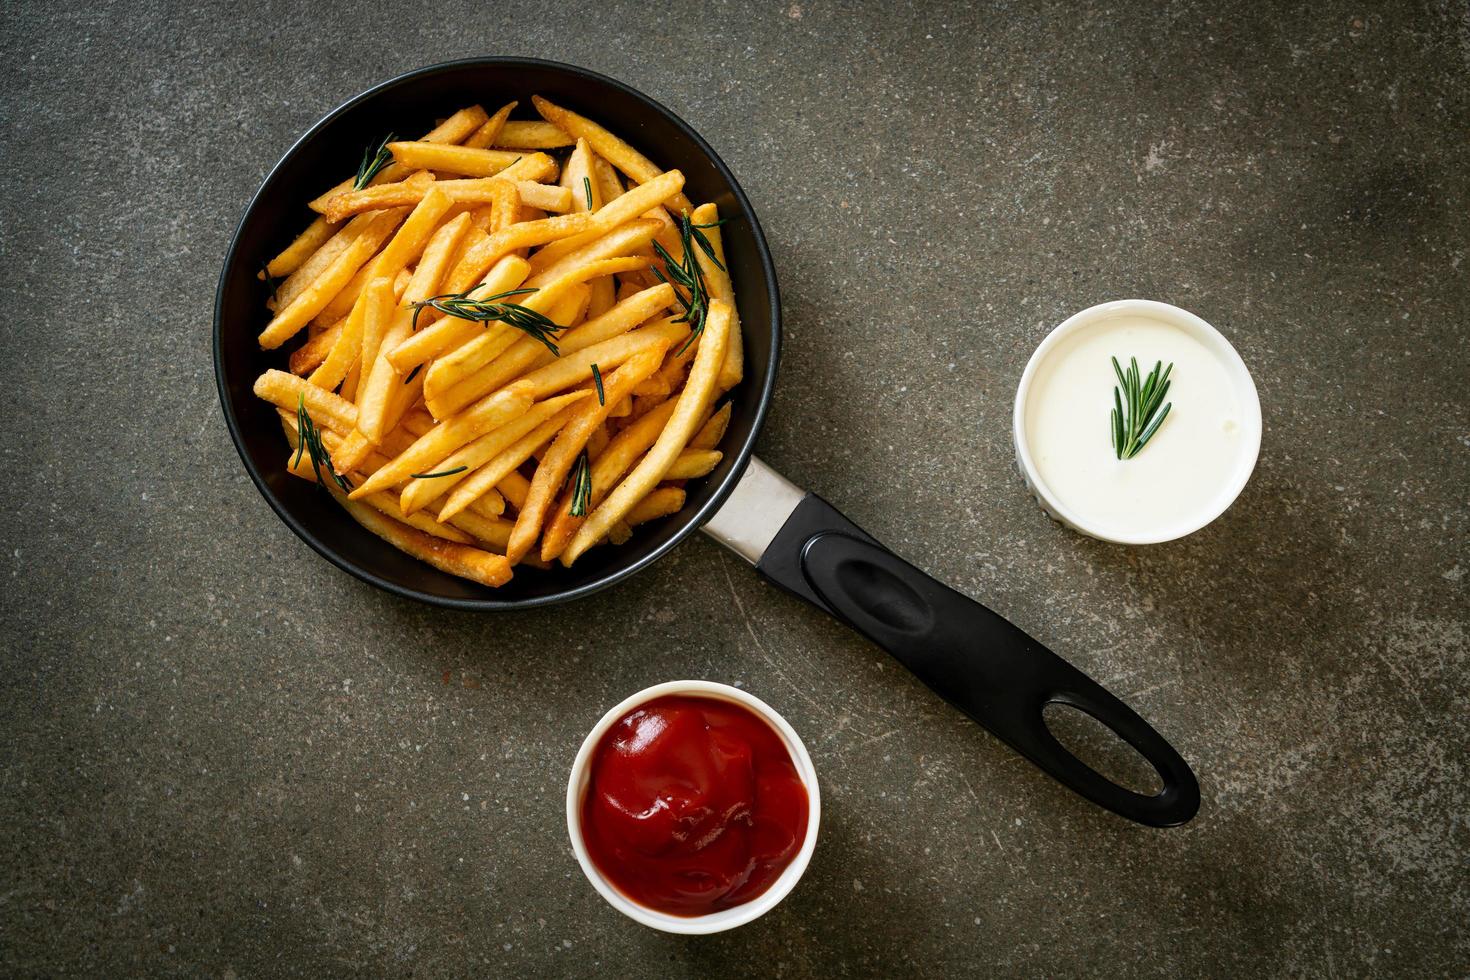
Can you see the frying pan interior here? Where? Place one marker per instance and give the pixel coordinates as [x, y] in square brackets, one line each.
[409, 105]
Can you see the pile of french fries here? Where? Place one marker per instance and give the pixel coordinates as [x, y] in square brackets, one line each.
[426, 399]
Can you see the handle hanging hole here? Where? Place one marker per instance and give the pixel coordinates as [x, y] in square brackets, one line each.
[1100, 748]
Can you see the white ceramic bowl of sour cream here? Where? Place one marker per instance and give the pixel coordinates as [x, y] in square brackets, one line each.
[1193, 467]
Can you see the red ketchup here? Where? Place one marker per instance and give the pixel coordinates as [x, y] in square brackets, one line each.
[693, 806]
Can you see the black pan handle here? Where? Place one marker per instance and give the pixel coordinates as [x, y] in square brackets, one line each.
[977, 661]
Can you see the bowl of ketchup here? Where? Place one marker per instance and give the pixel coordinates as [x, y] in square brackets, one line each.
[693, 807]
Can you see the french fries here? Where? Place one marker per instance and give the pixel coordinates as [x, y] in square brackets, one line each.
[498, 368]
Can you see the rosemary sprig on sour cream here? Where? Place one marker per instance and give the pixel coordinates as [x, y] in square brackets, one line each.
[1136, 416]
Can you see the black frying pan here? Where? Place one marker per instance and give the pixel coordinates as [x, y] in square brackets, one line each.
[973, 658]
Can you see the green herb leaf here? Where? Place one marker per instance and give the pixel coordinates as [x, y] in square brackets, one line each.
[372, 162]
[587, 188]
[1136, 415]
[687, 277]
[271, 282]
[581, 480]
[435, 476]
[309, 440]
[485, 310]
[597, 380]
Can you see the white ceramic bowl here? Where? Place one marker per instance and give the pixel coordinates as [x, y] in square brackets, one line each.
[715, 921]
[1245, 390]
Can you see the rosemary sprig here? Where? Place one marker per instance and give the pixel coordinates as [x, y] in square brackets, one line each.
[372, 162]
[698, 235]
[597, 380]
[587, 189]
[1136, 415]
[435, 476]
[485, 309]
[581, 480]
[412, 374]
[687, 278]
[271, 282]
[309, 440]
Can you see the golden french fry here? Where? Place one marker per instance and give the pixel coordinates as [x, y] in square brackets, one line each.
[349, 384]
[302, 248]
[668, 233]
[492, 531]
[605, 176]
[527, 353]
[377, 318]
[287, 392]
[456, 559]
[448, 333]
[343, 340]
[379, 387]
[609, 147]
[536, 135]
[577, 177]
[514, 488]
[557, 462]
[547, 197]
[710, 434]
[692, 464]
[492, 504]
[654, 385]
[431, 448]
[660, 503]
[491, 129]
[505, 206]
[502, 466]
[692, 404]
[290, 320]
[309, 355]
[418, 494]
[452, 159]
[604, 296]
[618, 211]
[599, 439]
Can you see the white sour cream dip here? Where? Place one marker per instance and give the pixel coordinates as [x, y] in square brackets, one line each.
[1195, 463]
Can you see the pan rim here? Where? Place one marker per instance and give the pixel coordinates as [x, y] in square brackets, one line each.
[619, 572]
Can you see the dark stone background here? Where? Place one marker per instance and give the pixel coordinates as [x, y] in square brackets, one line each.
[222, 757]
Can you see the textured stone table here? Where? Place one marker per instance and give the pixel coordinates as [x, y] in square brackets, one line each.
[222, 757]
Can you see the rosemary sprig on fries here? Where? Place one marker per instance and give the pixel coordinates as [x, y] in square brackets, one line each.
[581, 486]
[687, 277]
[372, 162]
[486, 309]
[309, 440]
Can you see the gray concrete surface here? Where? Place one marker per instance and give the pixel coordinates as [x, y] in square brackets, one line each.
[222, 757]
